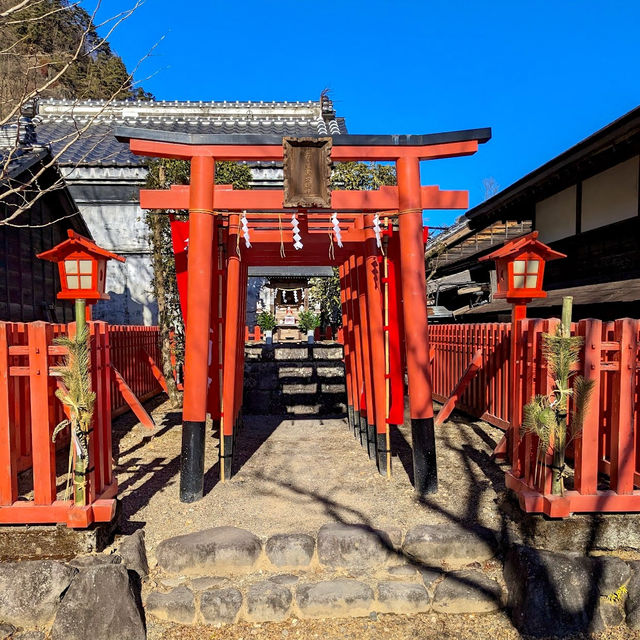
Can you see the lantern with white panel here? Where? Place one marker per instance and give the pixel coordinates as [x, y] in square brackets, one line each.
[83, 270]
[520, 268]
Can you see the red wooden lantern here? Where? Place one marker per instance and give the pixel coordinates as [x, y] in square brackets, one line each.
[83, 267]
[520, 268]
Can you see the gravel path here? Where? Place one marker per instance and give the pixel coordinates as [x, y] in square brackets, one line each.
[296, 475]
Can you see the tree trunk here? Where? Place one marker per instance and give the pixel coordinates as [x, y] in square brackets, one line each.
[156, 223]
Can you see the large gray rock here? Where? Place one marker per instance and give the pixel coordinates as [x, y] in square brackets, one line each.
[402, 597]
[450, 544]
[334, 598]
[290, 550]
[101, 604]
[220, 606]
[133, 552]
[632, 604]
[353, 546]
[467, 591]
[94, 560]
[178, 605]
[560, 594]
[31, 591]
[268, 601]
[221, 550]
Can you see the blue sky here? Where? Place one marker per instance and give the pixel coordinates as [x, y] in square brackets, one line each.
[544, 75]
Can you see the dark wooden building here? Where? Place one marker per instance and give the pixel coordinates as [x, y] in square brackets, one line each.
[584, 203]
[28, 286]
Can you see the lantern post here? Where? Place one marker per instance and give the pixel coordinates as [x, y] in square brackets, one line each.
[520, 267]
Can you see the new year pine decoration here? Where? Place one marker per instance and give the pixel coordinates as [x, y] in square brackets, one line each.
[80, 399]
[546, 416]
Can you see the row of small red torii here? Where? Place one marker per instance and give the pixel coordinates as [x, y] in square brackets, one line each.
[217, 269]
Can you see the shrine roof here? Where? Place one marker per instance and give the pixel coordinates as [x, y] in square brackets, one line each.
[124, 134]
[59, 121]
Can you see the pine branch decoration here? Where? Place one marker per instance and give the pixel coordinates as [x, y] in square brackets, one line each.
[80, 399]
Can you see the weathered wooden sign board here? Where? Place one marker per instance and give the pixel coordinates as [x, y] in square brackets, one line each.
[307, 172]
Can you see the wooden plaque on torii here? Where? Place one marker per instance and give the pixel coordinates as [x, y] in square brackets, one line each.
[307, 172]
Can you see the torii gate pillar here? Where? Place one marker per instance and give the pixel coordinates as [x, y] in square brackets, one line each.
[414, 294]
[199, 281]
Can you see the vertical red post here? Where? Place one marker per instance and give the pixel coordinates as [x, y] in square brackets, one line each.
[353, 334]
[394, 329]
[376, 343]
[231, 316]
[200, 259]
[213, 393]
[518, 313]
[586, 446]
[43, 450]
[360, 361]
[346, 346]
[414, 294]
[622, 435]
[8, 444]
[369, 391]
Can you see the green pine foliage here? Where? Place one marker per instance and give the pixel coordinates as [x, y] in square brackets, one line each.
[308, 321]
[80, 400]
[546, 416]
[266, 321]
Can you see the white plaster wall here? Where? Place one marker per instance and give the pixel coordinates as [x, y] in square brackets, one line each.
[120, 227]
[556, 216]
[611, 196]
[129, 286]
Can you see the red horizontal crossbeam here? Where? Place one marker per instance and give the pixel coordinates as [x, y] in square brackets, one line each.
[383, 199]
[274, 152]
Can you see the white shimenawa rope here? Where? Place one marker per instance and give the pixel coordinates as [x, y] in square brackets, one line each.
[296, 232]
[377, 230]
[336, 228]
[245, 229]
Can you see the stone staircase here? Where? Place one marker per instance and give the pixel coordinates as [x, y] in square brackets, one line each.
[294, 379]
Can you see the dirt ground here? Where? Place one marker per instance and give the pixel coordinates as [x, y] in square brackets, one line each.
[296, 475]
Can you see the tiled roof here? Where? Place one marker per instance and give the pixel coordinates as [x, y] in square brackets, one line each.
[59, 121]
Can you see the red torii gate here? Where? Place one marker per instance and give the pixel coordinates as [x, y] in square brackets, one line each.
[217, 280]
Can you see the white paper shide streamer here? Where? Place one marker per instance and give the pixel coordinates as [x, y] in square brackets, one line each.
[336, 229]
[377, 230]
[296, 232]
[245, 229]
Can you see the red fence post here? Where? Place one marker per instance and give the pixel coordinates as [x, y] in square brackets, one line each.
[586, 446]
[44, 460]
[8, 451]
[622, 432]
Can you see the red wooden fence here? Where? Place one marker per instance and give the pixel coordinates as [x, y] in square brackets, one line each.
[606, 458]
[487, 396]
[133, 350]
[29, 411]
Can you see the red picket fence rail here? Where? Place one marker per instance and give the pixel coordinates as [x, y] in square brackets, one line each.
[133, 350]
[606, 458]
[487, 396]
[30, 410]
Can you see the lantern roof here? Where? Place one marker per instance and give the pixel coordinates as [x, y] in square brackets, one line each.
[76, 242]
[526, 243]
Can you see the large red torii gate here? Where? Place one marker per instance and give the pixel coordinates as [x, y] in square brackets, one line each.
[217, 278]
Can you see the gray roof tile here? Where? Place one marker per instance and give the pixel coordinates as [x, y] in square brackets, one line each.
[59, 123]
